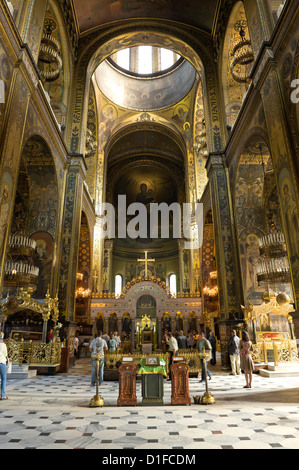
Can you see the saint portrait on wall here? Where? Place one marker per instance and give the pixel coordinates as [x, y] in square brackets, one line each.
[4, 213]
[43, 259]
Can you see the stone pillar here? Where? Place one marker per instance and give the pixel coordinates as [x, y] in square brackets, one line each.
[71, 236]
[227, 258]
[133, 323]
[160, 332]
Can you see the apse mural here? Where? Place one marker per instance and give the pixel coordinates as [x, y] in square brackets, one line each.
[146, 184]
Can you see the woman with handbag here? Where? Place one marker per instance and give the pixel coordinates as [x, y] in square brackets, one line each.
[3, 359]
[246, 362]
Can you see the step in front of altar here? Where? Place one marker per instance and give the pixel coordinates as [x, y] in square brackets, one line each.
[21, 372]
[288, 369]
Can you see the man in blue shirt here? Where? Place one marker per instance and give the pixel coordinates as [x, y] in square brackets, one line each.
[204, 344]
[98, 346]
[112, 343]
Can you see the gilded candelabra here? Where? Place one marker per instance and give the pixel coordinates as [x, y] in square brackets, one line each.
[207, 398]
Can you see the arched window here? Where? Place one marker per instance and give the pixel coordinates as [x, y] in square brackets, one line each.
[172, 284]
[118, 285]
[145, 60]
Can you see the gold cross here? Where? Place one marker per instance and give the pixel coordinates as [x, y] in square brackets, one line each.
[146, 260]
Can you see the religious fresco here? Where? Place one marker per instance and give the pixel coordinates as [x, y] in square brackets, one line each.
[233, 90]
[250, 219]
[148, 94]
[91, 156]
[44, 220]
[43, 191]
[146, 305]
[146, 184]
[291, 216]
[35, 29]
[90, 14]
[16, 7]
[43, 259]
[5, 198]
[6, 68]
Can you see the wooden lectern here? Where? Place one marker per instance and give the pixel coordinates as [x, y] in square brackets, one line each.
[180, 383]
[127, 384]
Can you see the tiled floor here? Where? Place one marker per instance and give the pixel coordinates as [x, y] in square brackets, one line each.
[53, 412]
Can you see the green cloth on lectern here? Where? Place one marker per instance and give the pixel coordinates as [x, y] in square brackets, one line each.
[144, 369]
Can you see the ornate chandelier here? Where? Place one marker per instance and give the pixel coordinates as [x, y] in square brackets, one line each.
[19, 270]
[242, 55]
[274, 266]
[211, 290]
[49, 60]
[82, 294]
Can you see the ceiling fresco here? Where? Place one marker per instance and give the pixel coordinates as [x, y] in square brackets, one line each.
[93, 13]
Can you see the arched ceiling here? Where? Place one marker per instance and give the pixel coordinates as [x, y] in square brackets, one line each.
[92, 14]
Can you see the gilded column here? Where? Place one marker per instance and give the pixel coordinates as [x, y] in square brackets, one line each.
[227, 259]
[71, 236]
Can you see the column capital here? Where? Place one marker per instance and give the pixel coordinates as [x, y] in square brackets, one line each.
[215, 160]
[77, 162]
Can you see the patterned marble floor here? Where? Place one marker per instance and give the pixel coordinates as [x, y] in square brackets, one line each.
[53, 412]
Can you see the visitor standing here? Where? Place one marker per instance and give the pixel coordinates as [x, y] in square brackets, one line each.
[76, 346]
[3, 360]
[172, 348]
[213, 343]
[190, 340]
[204, 344]
[182, 340]
[234, 353]
[246, 361]
[112, 344]
[117, 339]
[98, 346]
[106, 337]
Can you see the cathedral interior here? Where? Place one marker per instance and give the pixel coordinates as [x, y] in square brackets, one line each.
[105, 104]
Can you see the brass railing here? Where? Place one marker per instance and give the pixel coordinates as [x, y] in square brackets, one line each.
[280, 352]
[33, 352]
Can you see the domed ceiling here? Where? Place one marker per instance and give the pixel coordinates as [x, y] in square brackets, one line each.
[93, 13]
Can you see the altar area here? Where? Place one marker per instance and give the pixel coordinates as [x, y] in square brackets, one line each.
[141, 314]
